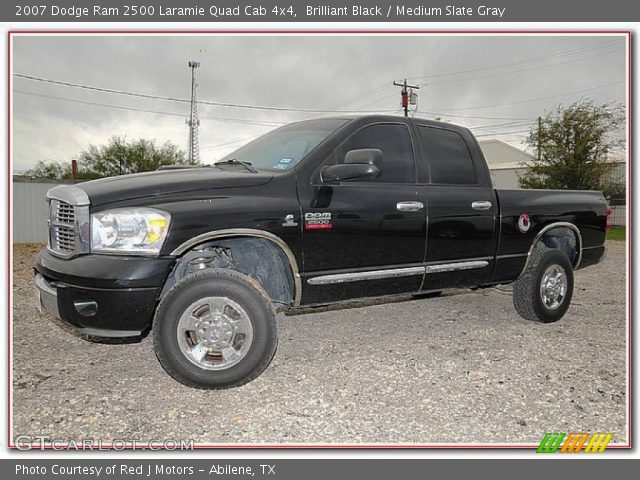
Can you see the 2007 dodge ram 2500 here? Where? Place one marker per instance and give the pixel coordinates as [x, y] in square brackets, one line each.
[312, 213]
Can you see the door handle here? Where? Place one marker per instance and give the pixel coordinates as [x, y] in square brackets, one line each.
[409, 206]
[482, 205]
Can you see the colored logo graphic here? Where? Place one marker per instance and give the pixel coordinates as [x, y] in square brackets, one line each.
[574, 442]
[524, 223]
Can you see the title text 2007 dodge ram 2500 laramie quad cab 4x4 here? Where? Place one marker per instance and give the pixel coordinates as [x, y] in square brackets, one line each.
[312, 213]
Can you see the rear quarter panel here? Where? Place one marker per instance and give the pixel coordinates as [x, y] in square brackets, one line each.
[587, 210]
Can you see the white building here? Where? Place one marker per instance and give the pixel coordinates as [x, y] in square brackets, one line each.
[506, 162]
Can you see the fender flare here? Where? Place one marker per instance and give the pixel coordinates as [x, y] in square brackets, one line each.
[249, 232]
[548, 228]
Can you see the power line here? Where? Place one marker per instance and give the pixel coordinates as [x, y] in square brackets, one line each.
[233, 120]
[224, 144]
[500, 133]
[537, 67]
[184, 100]
[519, 62]
[564, 53]
[362, 97]
[537, 99]
[440, 114]
[481, 127]
[157, 112]
[445, 113]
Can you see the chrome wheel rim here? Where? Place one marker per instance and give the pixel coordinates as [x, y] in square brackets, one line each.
[215, 333]
[553, 287]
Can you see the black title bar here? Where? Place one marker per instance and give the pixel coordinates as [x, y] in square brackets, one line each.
[222, 11]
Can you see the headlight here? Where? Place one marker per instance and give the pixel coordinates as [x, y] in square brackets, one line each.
[129, 231]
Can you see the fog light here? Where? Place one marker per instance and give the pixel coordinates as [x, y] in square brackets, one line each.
[86, 308]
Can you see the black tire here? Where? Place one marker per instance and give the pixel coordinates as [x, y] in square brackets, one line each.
[215, 283]
[527, 297]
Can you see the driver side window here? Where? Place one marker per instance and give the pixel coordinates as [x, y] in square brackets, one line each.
[394, 141]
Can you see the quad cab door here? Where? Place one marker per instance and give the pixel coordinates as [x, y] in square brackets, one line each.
[462, 209]
[364, 237]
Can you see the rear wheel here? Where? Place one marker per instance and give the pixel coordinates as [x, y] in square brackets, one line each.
[215, 329]
[543, 293]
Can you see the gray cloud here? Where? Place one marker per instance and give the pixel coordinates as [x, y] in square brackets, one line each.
[299, 71]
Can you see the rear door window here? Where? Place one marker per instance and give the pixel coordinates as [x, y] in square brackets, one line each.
[447, 157]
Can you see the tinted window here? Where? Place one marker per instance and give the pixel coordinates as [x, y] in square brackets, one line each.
[448, 157]
[397, 153]
[283, 148]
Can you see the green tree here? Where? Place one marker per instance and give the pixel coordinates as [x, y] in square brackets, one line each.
[574, 145]
[118, 157]
[54, 170]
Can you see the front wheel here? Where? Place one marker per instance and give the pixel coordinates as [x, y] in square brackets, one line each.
[215, 329]
[543, 293]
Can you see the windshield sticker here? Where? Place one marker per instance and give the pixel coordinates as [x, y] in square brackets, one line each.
[283, 163]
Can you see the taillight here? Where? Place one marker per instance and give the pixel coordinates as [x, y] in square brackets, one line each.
[609, 213]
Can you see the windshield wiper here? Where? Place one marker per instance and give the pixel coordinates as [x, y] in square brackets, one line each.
[233, 161]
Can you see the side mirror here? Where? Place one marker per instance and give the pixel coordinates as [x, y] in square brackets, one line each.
[371, 156]
[358, 164]
[345, 172]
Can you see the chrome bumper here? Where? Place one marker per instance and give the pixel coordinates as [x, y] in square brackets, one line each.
[46, 297]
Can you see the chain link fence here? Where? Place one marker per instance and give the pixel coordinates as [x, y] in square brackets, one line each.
[618, 217]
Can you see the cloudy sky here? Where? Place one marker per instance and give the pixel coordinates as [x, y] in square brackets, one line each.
[497, 85]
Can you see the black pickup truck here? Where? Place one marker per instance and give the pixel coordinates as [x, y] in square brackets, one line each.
[313, 213]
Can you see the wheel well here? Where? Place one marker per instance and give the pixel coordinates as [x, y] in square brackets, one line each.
[564, 239]
[259, 258]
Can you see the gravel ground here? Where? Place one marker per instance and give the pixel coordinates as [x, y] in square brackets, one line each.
[462, 368]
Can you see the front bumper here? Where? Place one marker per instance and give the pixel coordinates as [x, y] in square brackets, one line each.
[118, 299]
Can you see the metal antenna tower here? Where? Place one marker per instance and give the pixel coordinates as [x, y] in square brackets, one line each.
[194, 121]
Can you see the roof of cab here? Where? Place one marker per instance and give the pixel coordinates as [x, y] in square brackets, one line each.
[391, 118]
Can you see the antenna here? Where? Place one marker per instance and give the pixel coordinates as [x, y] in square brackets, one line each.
[194, 121]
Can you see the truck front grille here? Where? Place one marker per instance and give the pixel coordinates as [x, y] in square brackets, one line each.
[62, 228]
[68, 221]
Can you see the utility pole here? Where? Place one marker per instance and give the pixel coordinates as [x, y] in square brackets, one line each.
[194, 121]
[539, 138]
[405, 94]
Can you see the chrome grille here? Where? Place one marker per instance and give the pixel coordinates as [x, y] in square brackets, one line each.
[62, 232]
[68, 221]
[65, 213]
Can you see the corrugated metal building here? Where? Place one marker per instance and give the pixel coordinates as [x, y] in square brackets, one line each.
[505, 162]
[30, 209]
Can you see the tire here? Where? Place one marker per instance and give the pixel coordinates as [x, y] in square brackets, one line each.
[548, 303]
[215, 329]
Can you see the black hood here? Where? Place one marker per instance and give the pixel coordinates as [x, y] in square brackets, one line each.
[167, 182]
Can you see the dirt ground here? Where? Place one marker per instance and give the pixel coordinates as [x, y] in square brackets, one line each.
[461, 368]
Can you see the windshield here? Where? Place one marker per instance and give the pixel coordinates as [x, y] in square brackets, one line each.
[285, 147]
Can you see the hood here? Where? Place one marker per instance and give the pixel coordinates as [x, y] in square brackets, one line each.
[167, 182]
